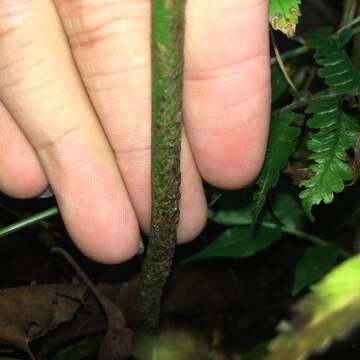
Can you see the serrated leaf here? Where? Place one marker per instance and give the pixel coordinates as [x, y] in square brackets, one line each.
[337, 132]
[238, 242]
[336, 66]
[316, 262]
[329, 313]
[284, 15]
[281, 146]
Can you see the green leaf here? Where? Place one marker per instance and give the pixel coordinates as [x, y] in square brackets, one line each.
[231, 217]
[329, 313]
[336, 66]
[284, 206]
[281, 146]
[337, 132]
[344, 36]
[316, 262]
[278, 83]
[288, 210]
[238, 242]
[284, 15]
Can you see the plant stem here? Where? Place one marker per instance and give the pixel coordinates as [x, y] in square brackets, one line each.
[282, 67]
[308, 99]
[356, 44]
[31, 220]
[167, 68]
[348, 12]
[300, 234]
[301, 50]
[82, 276]
[314, 239]
[291, 54]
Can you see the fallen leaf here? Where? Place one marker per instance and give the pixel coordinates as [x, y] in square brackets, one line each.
[117, 344]
[27, 313]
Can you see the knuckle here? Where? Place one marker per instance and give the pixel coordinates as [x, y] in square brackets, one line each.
[115, 76]
[15, 40]
[13, 13]
[88, 22]
[52, 144]
[14, 71]
[133, 154]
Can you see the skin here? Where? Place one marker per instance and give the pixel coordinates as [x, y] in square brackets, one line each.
[75, 111]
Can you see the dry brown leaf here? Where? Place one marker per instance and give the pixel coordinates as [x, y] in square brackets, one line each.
[117, 344]
[27, 313]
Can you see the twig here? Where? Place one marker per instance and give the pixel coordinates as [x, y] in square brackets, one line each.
[117, 343]
[352, 23]
[282, 65]
[348, 12]
[290, 54]
[308, 99]
[301, 50]
[83, 277]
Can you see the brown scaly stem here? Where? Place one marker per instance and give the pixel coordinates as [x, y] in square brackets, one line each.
[167, 68]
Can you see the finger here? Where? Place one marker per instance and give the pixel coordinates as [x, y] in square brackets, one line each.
[56, 116]
[110, 42]
[227, 88]
[21, 174]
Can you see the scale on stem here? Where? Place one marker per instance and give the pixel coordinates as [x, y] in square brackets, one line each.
[167, 68]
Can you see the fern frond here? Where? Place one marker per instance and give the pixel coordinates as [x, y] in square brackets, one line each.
[281, 145]
[336, 66]
[337, 132]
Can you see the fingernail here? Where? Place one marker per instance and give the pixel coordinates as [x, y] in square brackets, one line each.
[141, 247]
[47, 193]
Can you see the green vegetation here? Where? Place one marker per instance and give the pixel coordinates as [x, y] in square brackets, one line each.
[304, 206]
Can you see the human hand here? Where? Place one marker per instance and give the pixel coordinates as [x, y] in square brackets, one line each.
[75, 103]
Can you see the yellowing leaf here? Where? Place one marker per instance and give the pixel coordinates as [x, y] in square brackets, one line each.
[327, 314]
[284, 15]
